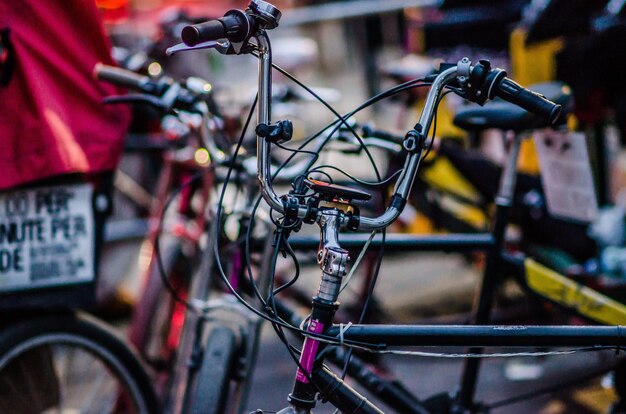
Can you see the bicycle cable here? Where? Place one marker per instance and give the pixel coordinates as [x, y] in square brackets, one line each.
[172, 291]
[216, 234]
[353, 178]
[381, 350]
[432, 140]
[382, 95]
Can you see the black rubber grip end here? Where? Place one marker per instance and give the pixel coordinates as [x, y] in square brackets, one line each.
[203, 32]
[530, 101]
[121, 77]
[555, 114]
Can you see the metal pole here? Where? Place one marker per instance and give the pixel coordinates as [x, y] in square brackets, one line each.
[348, 9]
[481, 336]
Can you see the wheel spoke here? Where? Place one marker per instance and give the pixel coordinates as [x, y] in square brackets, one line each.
[64, 374]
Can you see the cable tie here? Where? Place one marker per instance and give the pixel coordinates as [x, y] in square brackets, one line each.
[357, 262]
[342, 329]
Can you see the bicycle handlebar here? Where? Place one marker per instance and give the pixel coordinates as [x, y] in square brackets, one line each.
[234, 26]
[478, 83]
[164, 93]
[197, 33]
[124, 77]
[511, 91]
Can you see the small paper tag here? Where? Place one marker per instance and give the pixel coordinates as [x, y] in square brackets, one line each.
[566, 175]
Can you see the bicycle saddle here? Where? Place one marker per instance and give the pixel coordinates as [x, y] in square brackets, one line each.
[334, 192]
[507, 116]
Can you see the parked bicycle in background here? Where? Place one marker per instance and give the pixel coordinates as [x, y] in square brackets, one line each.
[59, 148]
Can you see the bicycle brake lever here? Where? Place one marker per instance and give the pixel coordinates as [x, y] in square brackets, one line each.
[133, 98]
[220, 46]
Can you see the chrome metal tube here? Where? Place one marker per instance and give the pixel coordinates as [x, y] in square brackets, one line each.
[404, 184]
[508, 178]
[380, 222]
[405, 181]
[264, 173]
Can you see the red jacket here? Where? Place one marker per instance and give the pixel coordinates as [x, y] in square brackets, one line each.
[51, 118]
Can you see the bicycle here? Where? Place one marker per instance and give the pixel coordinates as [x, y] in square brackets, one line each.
[161, 310]
[476, 82]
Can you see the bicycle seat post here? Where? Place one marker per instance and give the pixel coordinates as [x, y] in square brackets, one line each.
[509, 173]
[482, 311]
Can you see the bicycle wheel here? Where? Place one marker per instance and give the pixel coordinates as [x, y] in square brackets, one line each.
[65, 363]
[152, 319]
[212, 380]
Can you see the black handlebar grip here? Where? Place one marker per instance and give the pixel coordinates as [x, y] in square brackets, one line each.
[203, 32]
[384, 135]
[532, 102]
[122, 77]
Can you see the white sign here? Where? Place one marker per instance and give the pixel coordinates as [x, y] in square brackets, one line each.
[46, 237]
[566, 175]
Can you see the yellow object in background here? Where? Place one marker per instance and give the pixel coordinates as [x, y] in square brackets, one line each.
[442, 175]
[528, 162]
[420, 225]
[572, 295]
[532, 64]
[457, 196]
[445, 118]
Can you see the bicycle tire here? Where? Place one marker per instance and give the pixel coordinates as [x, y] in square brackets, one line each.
[148, 320]
[212, 380]
[68, 363]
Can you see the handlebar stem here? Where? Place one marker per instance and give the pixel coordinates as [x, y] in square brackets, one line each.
[331, 257]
